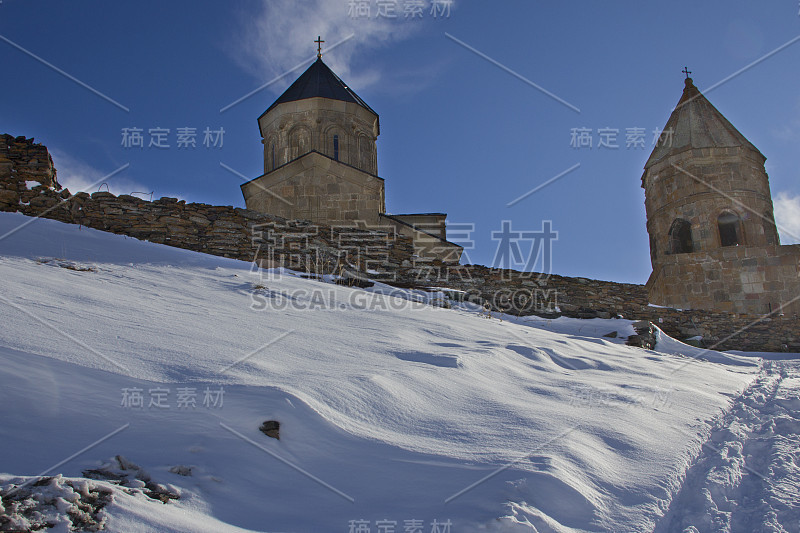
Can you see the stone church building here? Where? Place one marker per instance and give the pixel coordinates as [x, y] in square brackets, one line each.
[713, 240]
[321, 164]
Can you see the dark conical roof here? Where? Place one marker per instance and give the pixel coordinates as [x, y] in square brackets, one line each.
[319, 81]
[695, 123]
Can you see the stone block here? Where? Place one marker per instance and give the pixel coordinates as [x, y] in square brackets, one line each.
[9, 197]
[101, 195]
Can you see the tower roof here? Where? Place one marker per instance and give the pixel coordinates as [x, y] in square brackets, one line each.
[319, 81]
[695, 123]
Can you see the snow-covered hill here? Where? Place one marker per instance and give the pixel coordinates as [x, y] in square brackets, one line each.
[396, 413]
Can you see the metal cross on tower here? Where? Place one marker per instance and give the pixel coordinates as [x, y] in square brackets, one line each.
[686, 71]
[319, 42]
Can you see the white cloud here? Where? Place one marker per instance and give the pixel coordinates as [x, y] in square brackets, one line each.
[787, 217]
[79, 176]
[281, 35]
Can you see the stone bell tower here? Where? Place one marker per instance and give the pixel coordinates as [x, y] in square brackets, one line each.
[705, 184]
[713, 240]
[320, 155]
[321, 164]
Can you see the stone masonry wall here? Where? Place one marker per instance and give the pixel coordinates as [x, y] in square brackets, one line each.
[315, 187]
[754, 279]
[681, 187]
[301, 245]
[217, 230]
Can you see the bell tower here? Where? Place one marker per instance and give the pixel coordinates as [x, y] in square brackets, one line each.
[320, 153]
[705, 184]
[713, 240]
[321, 165]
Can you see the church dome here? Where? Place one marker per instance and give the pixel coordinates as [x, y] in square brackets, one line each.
[319, 81]
[320, 113]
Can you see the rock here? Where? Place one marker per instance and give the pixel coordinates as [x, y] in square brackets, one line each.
[181, 470]
[99, 195]
[126, 473]
[199, 219]
[9, 197]
[31, 507]
[354, 282]
[635, 340]
[126, 464]
[611, 335]
[160, 492]
[645, 335]
[129, 198]
[271, 428]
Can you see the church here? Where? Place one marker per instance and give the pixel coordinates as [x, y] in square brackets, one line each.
[321, 164]
[713, 239]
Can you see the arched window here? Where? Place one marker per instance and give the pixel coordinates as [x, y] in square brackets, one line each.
[365, 153]
[730, 229]
[336, 144]
[270, 161]
[336, 147]
[680, 237]
[299, 142]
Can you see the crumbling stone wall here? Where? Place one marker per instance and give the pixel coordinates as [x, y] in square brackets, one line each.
[26, 160]
[218, 230]
[301, 245]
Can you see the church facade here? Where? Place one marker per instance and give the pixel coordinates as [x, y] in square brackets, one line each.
[713, 240]
[320, 164]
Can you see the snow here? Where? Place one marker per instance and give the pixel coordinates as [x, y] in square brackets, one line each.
[746, 477]
[392, 406]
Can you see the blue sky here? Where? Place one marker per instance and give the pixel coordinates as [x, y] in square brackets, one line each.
[459, 133]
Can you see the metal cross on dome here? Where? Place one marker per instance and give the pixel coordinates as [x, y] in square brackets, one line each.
[686, 71]
[319, 42]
